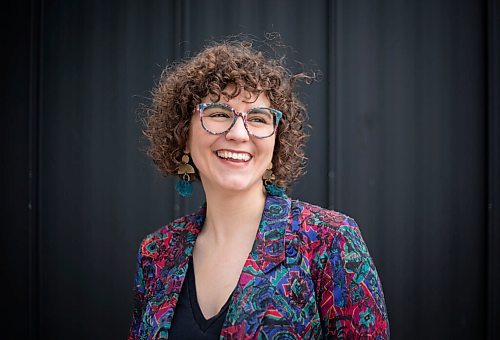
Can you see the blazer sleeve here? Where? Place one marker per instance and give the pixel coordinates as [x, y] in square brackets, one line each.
[351, 304]
[139, 301]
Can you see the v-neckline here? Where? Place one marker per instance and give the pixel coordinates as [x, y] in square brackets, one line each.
[200, 319]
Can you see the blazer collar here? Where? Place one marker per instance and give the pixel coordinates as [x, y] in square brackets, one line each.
[268, 251]
[269, 246]
[254, 291]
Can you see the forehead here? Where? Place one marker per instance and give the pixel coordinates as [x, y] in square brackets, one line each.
[244, 98]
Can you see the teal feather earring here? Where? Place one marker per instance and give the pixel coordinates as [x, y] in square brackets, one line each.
[184, 186]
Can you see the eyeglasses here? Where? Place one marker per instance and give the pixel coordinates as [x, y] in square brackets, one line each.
[219, 118]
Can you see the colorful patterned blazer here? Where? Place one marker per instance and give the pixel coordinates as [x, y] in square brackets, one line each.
[308, 276]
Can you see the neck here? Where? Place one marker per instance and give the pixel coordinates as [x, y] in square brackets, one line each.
[233, 216]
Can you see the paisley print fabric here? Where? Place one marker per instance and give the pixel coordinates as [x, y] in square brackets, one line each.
[309, 276]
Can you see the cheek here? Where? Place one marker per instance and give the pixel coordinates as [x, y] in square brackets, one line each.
[273, 143]
[269, 149]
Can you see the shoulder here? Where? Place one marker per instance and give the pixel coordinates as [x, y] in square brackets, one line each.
[171, 235]
[347, 282]
[324, 233]
[318, 222]
[167, 230]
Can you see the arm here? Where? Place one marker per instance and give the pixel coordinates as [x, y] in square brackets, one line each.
[351, 302]
[139, 304]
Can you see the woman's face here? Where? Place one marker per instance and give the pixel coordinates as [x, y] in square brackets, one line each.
[233, 161]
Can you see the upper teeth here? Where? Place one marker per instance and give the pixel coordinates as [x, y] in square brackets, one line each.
[233, 155]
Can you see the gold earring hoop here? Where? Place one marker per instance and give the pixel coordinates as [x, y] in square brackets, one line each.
[268, 177]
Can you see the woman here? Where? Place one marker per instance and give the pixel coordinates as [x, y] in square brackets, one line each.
[252, 263]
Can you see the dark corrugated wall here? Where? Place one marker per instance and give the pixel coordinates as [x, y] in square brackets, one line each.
[404, 139]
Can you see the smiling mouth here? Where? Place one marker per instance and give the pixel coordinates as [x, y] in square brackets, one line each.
[234, 156]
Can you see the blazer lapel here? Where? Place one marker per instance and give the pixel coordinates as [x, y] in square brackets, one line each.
[183, 236]
[254, 291]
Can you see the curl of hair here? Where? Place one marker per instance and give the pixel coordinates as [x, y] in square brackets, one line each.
[182, 86]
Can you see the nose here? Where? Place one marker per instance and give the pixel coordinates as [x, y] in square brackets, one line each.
[238, 132]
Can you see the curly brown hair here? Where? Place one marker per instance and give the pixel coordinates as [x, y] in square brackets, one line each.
[182, 86]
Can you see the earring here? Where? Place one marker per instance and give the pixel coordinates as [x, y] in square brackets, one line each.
[271, 188]
[184, 186]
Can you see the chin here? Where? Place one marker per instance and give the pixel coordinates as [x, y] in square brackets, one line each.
[237, 186]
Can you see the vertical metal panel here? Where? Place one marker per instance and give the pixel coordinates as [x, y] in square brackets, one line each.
[493, 73]
[99, 193]
[36, 23]
[412, 156]
[18, 155]
[399, 119]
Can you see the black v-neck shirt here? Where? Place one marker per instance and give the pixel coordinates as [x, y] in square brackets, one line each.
[188, 321]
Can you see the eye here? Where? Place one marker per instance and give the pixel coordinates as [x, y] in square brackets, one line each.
[256, 119]
[260, 116]
[217, 113]
[220, 114]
